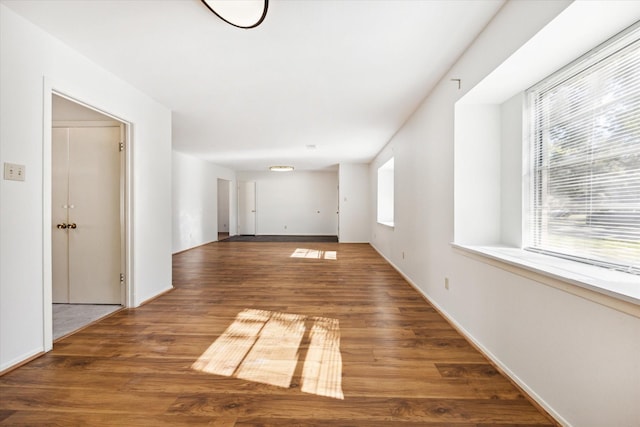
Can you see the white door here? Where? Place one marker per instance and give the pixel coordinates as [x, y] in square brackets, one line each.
[86, 215]
[247, 208]
[59, 212]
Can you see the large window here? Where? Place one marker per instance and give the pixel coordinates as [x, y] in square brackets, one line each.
[584, 198]
[385, 193]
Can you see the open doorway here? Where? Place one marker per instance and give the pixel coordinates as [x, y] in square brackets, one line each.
[247, 208]
[87, 215]
[224, 208]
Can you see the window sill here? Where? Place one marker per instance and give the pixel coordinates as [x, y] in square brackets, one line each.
[387, 224]
[614, 289]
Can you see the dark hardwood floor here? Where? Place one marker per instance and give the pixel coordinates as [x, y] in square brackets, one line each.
[269, 334]
[281, 238]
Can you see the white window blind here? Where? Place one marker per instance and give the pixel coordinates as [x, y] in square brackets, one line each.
[584, 200]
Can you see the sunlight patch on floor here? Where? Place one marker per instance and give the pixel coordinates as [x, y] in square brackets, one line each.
[274, 355]
[322, 371]
[265, 347]
[314, 254]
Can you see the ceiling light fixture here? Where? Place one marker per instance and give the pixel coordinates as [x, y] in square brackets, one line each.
[239, 13]
[281, 168]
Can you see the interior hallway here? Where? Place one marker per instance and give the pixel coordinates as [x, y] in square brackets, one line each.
[269, 334]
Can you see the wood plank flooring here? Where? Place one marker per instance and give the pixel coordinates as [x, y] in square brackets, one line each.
[387, 357]
[280, 238]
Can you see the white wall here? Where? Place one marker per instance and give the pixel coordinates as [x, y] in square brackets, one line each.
[195, 200]
[32, 64]
[511, 171]
[475, 165]
[305, 202]
[575, 356]
[354, 203]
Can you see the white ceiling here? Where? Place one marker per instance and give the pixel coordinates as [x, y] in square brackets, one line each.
[343, 75]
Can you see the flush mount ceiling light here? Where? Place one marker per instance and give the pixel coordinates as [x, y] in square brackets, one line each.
[239, 13]
[281, 168]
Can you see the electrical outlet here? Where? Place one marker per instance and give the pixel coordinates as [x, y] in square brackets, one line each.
[285, 227]
[14, 172]
[446, 283]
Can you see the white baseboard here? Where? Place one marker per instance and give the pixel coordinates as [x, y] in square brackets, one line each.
[20, 360]
[488, 354]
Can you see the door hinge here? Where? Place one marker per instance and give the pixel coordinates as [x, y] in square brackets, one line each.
[122, 146]
[122, 278]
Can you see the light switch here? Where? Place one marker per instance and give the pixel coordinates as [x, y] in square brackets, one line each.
[14, 172]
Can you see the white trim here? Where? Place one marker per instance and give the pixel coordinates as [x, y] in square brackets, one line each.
[614, 289]
[129, 289]
[17, 361]
[49, 89]
[494, 359]
[387, 224]
[47, 268]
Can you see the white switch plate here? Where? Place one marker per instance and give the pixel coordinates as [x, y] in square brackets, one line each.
[14, 172]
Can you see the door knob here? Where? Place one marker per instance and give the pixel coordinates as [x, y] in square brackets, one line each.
[73, 225]
[62, 226]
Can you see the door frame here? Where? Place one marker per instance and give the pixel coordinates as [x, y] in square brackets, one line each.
[67, 124]
[126, 211]
[229, 205]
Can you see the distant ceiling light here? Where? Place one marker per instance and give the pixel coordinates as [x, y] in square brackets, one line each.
[239, 13]
[281, 168]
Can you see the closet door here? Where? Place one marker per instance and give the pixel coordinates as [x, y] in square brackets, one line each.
[94, 215]
[59, 196]
[86, 240]
[247, 208]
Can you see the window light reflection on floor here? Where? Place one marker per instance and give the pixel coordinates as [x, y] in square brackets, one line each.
[314, 254]
[265, 347]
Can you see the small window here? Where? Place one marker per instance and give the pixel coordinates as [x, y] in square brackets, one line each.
[385, 193]
[584, 199]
